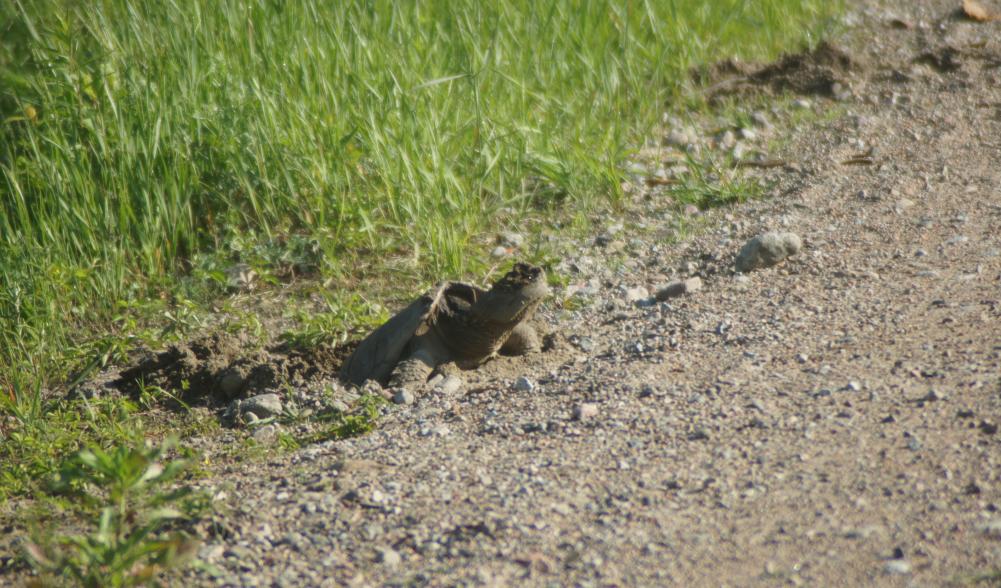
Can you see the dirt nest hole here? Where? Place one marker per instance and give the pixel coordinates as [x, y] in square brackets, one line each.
[824, 71]
[215, 369]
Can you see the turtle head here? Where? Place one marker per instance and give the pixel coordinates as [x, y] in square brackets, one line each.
[515, 295]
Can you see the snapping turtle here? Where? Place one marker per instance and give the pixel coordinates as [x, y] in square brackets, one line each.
[454, 322]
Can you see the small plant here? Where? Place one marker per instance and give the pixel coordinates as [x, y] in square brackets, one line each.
[126, 486]
[341, 425]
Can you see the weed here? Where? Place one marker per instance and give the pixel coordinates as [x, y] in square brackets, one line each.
[336, 424]
[128, 488]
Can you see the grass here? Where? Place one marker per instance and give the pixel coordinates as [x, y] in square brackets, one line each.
[146, 147]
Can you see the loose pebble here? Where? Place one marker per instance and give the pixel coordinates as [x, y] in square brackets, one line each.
[767, 250]
[585, 411]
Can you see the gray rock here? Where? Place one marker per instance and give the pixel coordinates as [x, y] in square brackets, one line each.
[266, 434]
[767, 250]
[897, 567]
[211, 553]
[262, 406]
[450, 385]
[726, 140]
[585, 411]
[637, 294]
[679, 288]
[865, 532]
[511, 240]
[403, 396]
[389, 557]
[523, 384]
[499, 251]
[760, 120]
[680, 138]
[991, 528]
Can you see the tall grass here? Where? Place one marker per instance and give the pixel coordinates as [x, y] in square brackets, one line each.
[136, 135]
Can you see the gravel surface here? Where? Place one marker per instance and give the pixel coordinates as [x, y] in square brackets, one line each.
[831, 419]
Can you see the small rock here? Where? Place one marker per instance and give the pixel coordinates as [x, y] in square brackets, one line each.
[726, 140]
[634, 347]
[403, 396]
[262, 406]
[679, 288]
[499, 251]
[747, 134]
[211, 553]
[636, 168]
[897, 567]
[637, 294]
[450, 385]
[679, 138]
[801, 104]
[390, 557]
[991, 528]
[523, 384]
[865, 532]
[760, 120]
[511, 240]
[266, 434]
[932, 396]
[585, 411]
[767, 250]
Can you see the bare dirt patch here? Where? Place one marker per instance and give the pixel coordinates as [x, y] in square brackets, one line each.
[825, 71]
[218, 368]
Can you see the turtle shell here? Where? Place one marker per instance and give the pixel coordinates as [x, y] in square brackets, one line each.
[377, 355]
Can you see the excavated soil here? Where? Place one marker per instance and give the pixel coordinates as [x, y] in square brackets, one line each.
[824, 71]
[831, 421]
[219, 368]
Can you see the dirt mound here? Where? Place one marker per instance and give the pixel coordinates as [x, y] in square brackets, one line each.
[823, 71]
[218, 368]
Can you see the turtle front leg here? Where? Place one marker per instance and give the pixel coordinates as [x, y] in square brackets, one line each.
[412, 371]
[522, 341]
